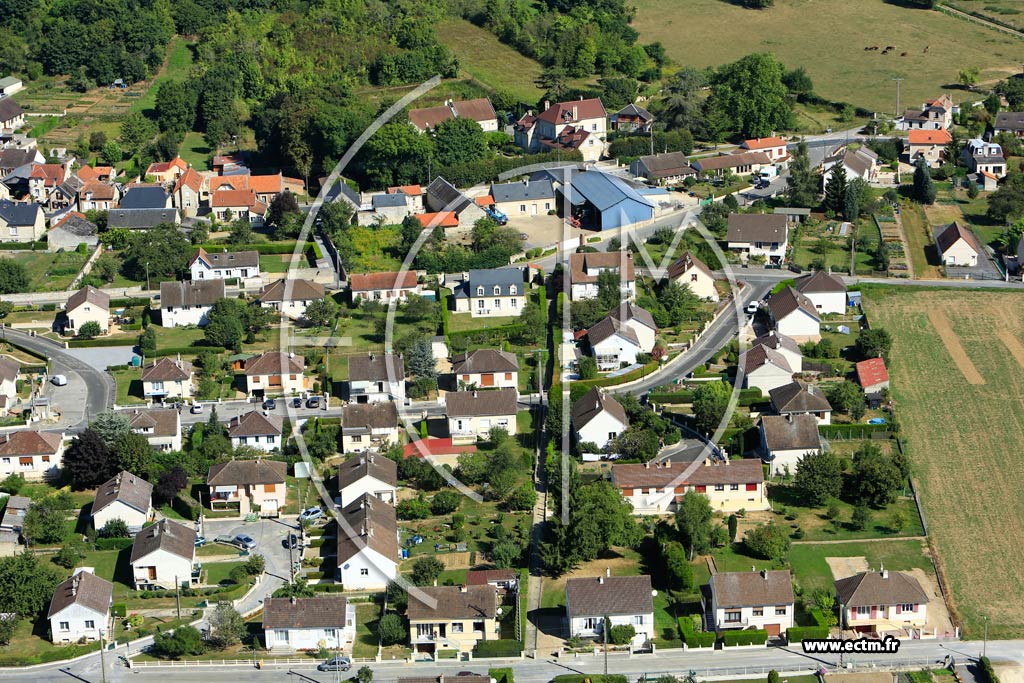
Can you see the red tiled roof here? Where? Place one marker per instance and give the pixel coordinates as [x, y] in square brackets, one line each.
[372, 281]
[486, 200]
[764, 143]
[446, 219]
[53, 174]
[871, 372]
[164, 166]
[411, 190]
[919, 136]
[266, 184]
[573, 111]
[231, 198]
[190, 177]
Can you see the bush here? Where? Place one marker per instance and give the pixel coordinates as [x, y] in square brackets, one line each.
[748, 637]
[114, 528]
[987, 672]
[692, 637]
[851, 431]
[391, 629]
[621, 634]
[498, 648]
[119, 609]
[502, 675]
[799, 633]
[186, 506]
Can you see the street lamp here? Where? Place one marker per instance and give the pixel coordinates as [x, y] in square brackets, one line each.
[984, 643]
[147, 276]
[103, 663]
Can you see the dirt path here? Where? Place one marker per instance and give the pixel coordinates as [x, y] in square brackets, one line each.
[944, 328]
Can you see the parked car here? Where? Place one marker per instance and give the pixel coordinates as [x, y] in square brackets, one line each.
[297, 402]
[59, 380]
[335, 664]
[200, 541]
[196, 408]
[309, 514]
[292, 541]
[752, 307]
[269, 404]
[246, 541]
[313, 402]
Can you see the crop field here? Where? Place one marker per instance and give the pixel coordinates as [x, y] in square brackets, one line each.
[957, 369]
[829, 37]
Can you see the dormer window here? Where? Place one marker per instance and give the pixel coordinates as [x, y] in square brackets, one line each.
[479, 291]
[497, 290]
[512, 290]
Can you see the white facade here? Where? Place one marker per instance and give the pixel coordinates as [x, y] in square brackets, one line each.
[280, 383]
[870, 617]
[800, 325]
[169, 389]
[181, 316]
[592, 626]
[201, 270]
[497, 380]
[132, 516]
[770, 250]
[755, 617]
[377, 392]
[376, 439]
[370, 486]
[264, 442]
[293, 309]
[699, 282]
[367, 570]
[33, 467]
[615, 350]
[767, 377]
[827, 302]
[161, 568]
[601, 429]
[84, 313]
[470, 429]
[77, 622]
[786, 460]
[960, 253]
[332, 637]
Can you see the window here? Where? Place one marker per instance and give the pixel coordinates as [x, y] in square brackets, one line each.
[734, 487]
[732, 617]
[592, 623]
[497, 290]
[13, 231]
[456, 627]
[65, 626]
[364, 571]
[864, 610]
[480, 303]
[331, 633]
[547, 206]
[478, 626]
[758, 611]
[515, 303]
[751, 487]
[357, 439]
[906, 607]
[497, 303]
[512, 291]
[282, 635]
[522, 208]
[593, 126]
[780, 610]
[508, 376]
[638, 620]
[719, 487]
[479, 291]
[89, 623]
[693, 277]
[269, 488]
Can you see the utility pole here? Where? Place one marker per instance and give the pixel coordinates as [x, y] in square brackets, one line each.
[898, 81]
[984, 643]
[103, 663]
[147, 276]
[177, 594]
[605, 627]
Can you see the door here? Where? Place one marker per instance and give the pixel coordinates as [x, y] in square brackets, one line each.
[151, 573]
[533, 209]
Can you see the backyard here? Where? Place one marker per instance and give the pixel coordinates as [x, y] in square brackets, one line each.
[49, 272]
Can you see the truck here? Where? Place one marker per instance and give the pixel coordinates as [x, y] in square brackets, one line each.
[495, 215]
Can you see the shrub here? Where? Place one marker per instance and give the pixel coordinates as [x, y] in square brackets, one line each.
[748, 637]
[988, 673]
[391, 629]
[498, 648]
[691, 636]
[799, 633]
[502, 675]
[621, 634]
[186, 506]
[119, 609]
[114, 528]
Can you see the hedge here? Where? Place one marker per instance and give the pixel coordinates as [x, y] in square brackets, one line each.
[589, 678]
[692, 637]
[93, 343]
[987, 671]
[622, 379]
[264, 248]
[175, 350]
[801, 633]
[316, 542]
[819, 617]
[504, 675]
[748, 637]
[23, 246]
[487, 335]
[186, 506]
[328, 588]
[113, 543]
[119, 609]
[498, 648]
[25, 349]
[860, 430]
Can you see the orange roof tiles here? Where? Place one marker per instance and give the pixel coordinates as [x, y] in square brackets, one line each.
[929, 137]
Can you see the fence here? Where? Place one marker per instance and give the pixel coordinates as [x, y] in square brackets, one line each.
[249, 662]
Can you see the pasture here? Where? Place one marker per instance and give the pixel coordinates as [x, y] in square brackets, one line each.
[489, 61]
[829, 37]
[957, 369]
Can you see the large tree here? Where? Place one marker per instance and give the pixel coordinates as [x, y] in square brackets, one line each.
[162, 251]
[803, 181]
[459, 140]
[874, 343]
[751, 91]
[835, 189]
[87, 460]
[693, 519]
[819, 477]
[710, 402]
[875, 477]
[769, 541]
[26, 585]
[132, 453]
[678, 571]
[109, 425]
[1007, 202]
[13, 277]
[284, 205]
[924, 188]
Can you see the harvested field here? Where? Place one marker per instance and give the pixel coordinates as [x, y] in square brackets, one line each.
[964, 438]
[953, 346]
[1013, 345]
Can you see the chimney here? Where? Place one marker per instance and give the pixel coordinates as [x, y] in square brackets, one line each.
[600, 580]
[753, 569]
[885, 572]
[608, 571]
[363, 531]
[647, 465]
[291, 355]
[575, 111]
[369, 458]
[474, 393]
[789, 417]
[463, 588]
[293, 600]
[547, 105]
[668, 464]
[581, 98]
[764, 574]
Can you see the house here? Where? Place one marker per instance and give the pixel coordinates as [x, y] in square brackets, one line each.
[597, 418]
[160, 426]
[326, 621]
[80, 609]
[224, 265]
[578, 124]
[794, 315]
[860, 163]
[16, 158]
[125, 497]
[668, 168]
[70, 231]
[601, 201]
[639, 320]
[10, 85]
[783, 345]
[167, 377]
[251, 484]
[486, 369]
[391, 209]
[1011, 122]
[166, 172]
[33, 454]
[368, 474]
[984, 157]
[21, 222]
[162, 556]
[690, 271]
[472, 414]
[43, 179]
[452, 617]
[440, 219]
[291, 296]
[787, 438]
[800, 398]
[873, 377]
[654, 489]
[275, 372]
[585, 268]
[632, 119]
[142, 219]
[740, 164]
[413, 196]
[765, 368]
[441, 195]
[871, 602]
[383, 286]
[367, 549]
[14, 514]
[369, 427]
[929, 145]
[12, 116]
[266, 187]
[774, 147]
[480, 110]
[935, 114]
[375, 378]
[498, 292]
[233, 205]
[188, 192]
[752, 600]
[262, 432]
[526, 198]
[958, 246]
[97, 173]
[188, 303]
[9, 371]
[826, 291]
[613, 344]
[500, 579]
[592, 602]
[87, 305]
[145, 197]
[759, 235]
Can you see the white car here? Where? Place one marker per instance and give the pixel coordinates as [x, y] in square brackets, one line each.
[59, 380]
[752, 307]
[196, 408]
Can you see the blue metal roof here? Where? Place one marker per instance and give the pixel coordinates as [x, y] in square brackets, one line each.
[605, 191]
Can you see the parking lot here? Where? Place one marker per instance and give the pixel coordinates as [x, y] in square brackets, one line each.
[269, 535]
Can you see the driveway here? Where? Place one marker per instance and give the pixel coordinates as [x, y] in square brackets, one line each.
[104, 357]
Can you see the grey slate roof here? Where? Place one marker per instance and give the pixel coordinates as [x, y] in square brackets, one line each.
[799, 397]
[131, 490]
[447, 195]
[175, 538]
[369, 465]
[144, 198]
[608, 595]
[88, 294]
[1010, 120]
[667, 164]
[16, 213]
[760, 355]
[454, 602]
[360, 418]
[9, 109]
[791, 432]
[633, 110]
[522, 191]
[753, 589]
[484, 360]
[820, 281]
[255, 423]
[376, 368]
[77, 225]
[629, 311]
[323, 611]
[787, 301]
[492, 402]
[592, 404]
[247, 472]
[607, 327]
[756, 227]
[85, 589]
[488, 279]
[382, 201]
[140, 218]
[370, 523]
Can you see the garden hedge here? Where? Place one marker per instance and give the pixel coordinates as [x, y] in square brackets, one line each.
[692, 637]
[748, 637]
[24, 246]
[800, 633]
[504, 675]
[987, 672]
[328, 588]
[264, 248]
[175, 350]
[186, 506]
[498, 648]
[102, 341]
[119, 609]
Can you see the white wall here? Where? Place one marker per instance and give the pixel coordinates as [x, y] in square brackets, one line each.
[42, 466]
[367, 485]
[599, 429]
[310, 638]
[828, 302]
[617, 347]
[266, 443]
[179, 317]
[578, 626]
[500, 381]
[748, 620]
[87, 312]
[75, 616]
[133, 517]
[379, 570]
[168, 566]
[377, 392]
[960, 254]
[480, 426]
[799, 325]
[788, 458]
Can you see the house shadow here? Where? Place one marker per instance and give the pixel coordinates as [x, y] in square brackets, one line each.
[123, 568]
[84, 520]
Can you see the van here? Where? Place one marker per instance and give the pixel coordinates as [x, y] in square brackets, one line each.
[59, 380]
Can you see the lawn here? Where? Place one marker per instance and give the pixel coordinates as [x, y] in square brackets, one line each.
[176, 68]
[963, 458]
[129, 386]
[463, 322]
[999, 11]
[374, 249]
[823, 236]
[29, 645]
[811, 571]
[816, 527]
[218, 572]
[176, 337]
[194, 150]
[803, 33]
[923, 255]
[49, 272]
[489, 61]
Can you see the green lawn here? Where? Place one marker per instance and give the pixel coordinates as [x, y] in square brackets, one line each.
[49, 272]
[489, 61]
[463, 322]
[811, 571]
[367, 615]
[179, 62]
[814, 238]
[218, 572]
[816, 527]
[129, 385]
[276, 263]
[923, 256]
[30, 645]
[176, 337]
[375, 247]
[195, 151]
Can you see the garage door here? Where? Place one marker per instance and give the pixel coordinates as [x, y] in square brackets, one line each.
[487, 380]
[773, 629]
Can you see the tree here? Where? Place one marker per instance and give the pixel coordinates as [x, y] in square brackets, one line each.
[875, 478]
[553, 81]
[1004, 205]
[798, 82]
[112, 153]
[587, 366]
[241, 232]
[44, 521]
[620, 634]
[225, 324]
[321, 312]
[693, 519]
[802, 190]
[26, 585]
[161, 251]
[924, 189]
[227, 627]
[818, 477]
[609, 289]
[968, 77]
[132, 453]
[835, 190]
[426, 570]
[847, 397]
[733, 524]
[534, 322]
[87, 461]
[170, 483]
[769, 541]
[97, 139]
[860, 518]
[420, 361]
[147, 341]
[458, 141]
[185, 641]
[176, 106]
[109, 425]
[851, 203]
[114, 528]
[522, 498]
[874, 343]
[284, 205]
[89, 330]
[505, 554]
[13, 277]
[710, 401]
[364, 675]
[898, 521]
[445, 502]
[136, 131]
[753, 95]
[678, 571]
[299, 589]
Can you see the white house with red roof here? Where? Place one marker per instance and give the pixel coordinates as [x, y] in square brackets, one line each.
[166, 172]
[231, 205]
[929, 145]
[578, 124]
[774, 147]
[383, 286]
[872, 375]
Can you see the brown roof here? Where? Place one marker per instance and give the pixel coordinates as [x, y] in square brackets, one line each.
[484, 360]
[191, 178]
[798, 397]
[645, 475]
[667, 165]
[481, 577]
[791, 432]
[952, 234]
[592, 404]
[454, 602]
[371, 281]
[275, 363]
[228, 259]
[788, 301]
[362, 417]
[764, 143]
[197, 293]
[603, 260]
[481, 403]
[131, 490]
[88, 294]
[429, 117]
[323, 611]
[753, 589]
[820, 281]
[756, 227]
[573, 111]
[607, 327]
[372, 524]
[687, 261]
[247, 472]
[376, 368]
[608, 595]
[379, 467]
[233, 199]
[628, 311]
[731, 161]
[30, 442]
[167, 370]
[292, 290]
[255, 423]
[9, 368]
[85, 589]
[479, 109]
[775, 341]
[97, 190]
[880, 588]
[175, 538]
[163, 421]
[760, 355]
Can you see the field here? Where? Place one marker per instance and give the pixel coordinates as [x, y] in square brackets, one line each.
[958, 394]
[49, 272]
[489, 61]
[179, 61]
[807, 33]
[1007, 12]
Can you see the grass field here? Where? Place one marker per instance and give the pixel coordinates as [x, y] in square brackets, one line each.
[962, 436]
[804, 33]
[1000, 11]
[179, 61]
[489, 61]
[923, 256]
[49, 272]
